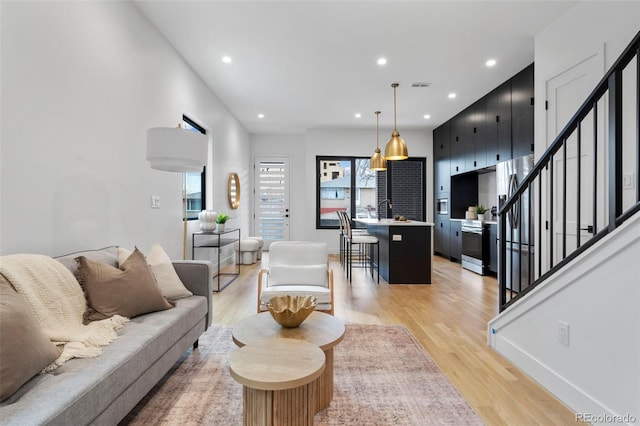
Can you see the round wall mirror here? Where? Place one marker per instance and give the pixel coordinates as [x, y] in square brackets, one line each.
[233, 190]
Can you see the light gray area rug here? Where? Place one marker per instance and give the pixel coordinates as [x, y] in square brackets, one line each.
[382, 376]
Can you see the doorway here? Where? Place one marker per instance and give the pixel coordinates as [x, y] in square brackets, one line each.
[271, 199]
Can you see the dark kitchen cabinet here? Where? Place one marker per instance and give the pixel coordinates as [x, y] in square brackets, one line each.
[459, 133]
[522, 92]
[498, 132]
[441, 237]
[522, 104]
[456, 240]
[493, 247]
[522, 135]
[475, 145]
[441, 159]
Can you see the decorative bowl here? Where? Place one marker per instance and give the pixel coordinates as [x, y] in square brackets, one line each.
[291, 311]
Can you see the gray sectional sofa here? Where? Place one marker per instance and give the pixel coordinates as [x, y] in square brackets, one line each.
[102, 390]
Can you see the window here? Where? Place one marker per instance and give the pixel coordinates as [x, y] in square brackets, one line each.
[196, 190]
[344, 183]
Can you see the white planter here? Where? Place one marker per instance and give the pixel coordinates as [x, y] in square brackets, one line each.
[207, 220]
[220, 227]
[480, 216]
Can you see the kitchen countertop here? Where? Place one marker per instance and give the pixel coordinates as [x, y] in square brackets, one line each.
[392, 222]
[490, 222]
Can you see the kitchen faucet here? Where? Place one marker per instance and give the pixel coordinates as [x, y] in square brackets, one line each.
[388, 201]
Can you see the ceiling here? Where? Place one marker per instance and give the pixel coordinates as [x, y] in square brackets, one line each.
[309, 64]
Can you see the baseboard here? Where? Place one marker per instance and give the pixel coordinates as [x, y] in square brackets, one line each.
[571, 395]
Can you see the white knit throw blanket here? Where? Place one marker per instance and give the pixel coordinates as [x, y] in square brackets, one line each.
[57, 302]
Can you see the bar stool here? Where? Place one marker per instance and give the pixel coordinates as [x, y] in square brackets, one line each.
[341, 236]
[365, 244]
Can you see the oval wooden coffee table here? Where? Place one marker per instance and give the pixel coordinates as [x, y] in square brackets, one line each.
[278, 379]
[320, 329]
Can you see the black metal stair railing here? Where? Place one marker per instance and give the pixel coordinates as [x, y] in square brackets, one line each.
[573, 202]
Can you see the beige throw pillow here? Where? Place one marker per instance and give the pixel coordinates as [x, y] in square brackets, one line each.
[129, 291]
[166, 276]
[24, 349]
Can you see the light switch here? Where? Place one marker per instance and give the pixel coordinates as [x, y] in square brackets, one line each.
[155, 201]
[627, 180]
[397, 237]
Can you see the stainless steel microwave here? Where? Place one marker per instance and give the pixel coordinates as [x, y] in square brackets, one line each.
[442, 206]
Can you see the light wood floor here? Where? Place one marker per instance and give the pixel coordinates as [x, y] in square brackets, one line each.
[449, 318]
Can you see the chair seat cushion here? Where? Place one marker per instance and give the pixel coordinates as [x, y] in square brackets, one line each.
[322, 294]
[363, 239]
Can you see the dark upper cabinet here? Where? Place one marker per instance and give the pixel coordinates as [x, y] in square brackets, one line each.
[522, 104]
[522, 92]
[442, 158]
[522, 135]
[459, 133]
[475, 142]
[498, 131]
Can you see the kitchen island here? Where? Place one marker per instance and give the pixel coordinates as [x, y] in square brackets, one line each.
[405, 249]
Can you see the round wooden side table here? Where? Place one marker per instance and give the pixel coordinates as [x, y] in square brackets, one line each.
[278, 379]
[323, 330]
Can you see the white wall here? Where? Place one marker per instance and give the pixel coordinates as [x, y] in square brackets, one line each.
[588, 29]
[81, 83]
[599, 297]
[304, 148]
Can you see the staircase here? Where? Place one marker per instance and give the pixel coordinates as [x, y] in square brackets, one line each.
[571, 321]
[561, 190]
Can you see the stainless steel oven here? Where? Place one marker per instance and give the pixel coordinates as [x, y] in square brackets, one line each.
[474, 246]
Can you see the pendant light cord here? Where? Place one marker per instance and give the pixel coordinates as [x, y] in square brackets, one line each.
[394, 85]
[377, 127]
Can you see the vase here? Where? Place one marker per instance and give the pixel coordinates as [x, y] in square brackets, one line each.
[207, 220]
[219, 227]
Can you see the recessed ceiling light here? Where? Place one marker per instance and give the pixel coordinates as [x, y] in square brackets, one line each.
[382, 61]
[452, 95]
[427, 116]
[226, 59]
[260, 115]
[358, 115]
[490, 62]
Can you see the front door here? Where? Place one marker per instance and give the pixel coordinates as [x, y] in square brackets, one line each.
[271, 199]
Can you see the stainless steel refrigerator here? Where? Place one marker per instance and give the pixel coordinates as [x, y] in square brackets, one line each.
[520, 245]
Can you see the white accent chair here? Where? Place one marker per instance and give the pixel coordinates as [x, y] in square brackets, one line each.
[297, 268]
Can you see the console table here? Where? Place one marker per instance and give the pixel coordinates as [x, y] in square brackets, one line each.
[215, 239]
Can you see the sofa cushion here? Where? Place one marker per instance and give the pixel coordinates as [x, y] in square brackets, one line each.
[129, 291]
[165, 274]
[24, 349]
[108, 255]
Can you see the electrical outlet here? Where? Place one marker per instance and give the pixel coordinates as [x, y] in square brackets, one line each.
[155, 201]
[563, 333]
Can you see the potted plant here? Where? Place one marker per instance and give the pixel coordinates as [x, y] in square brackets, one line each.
[221, 219]
[481, 210]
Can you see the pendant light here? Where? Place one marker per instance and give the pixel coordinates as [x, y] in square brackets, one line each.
[396, 148]
[377, 161]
